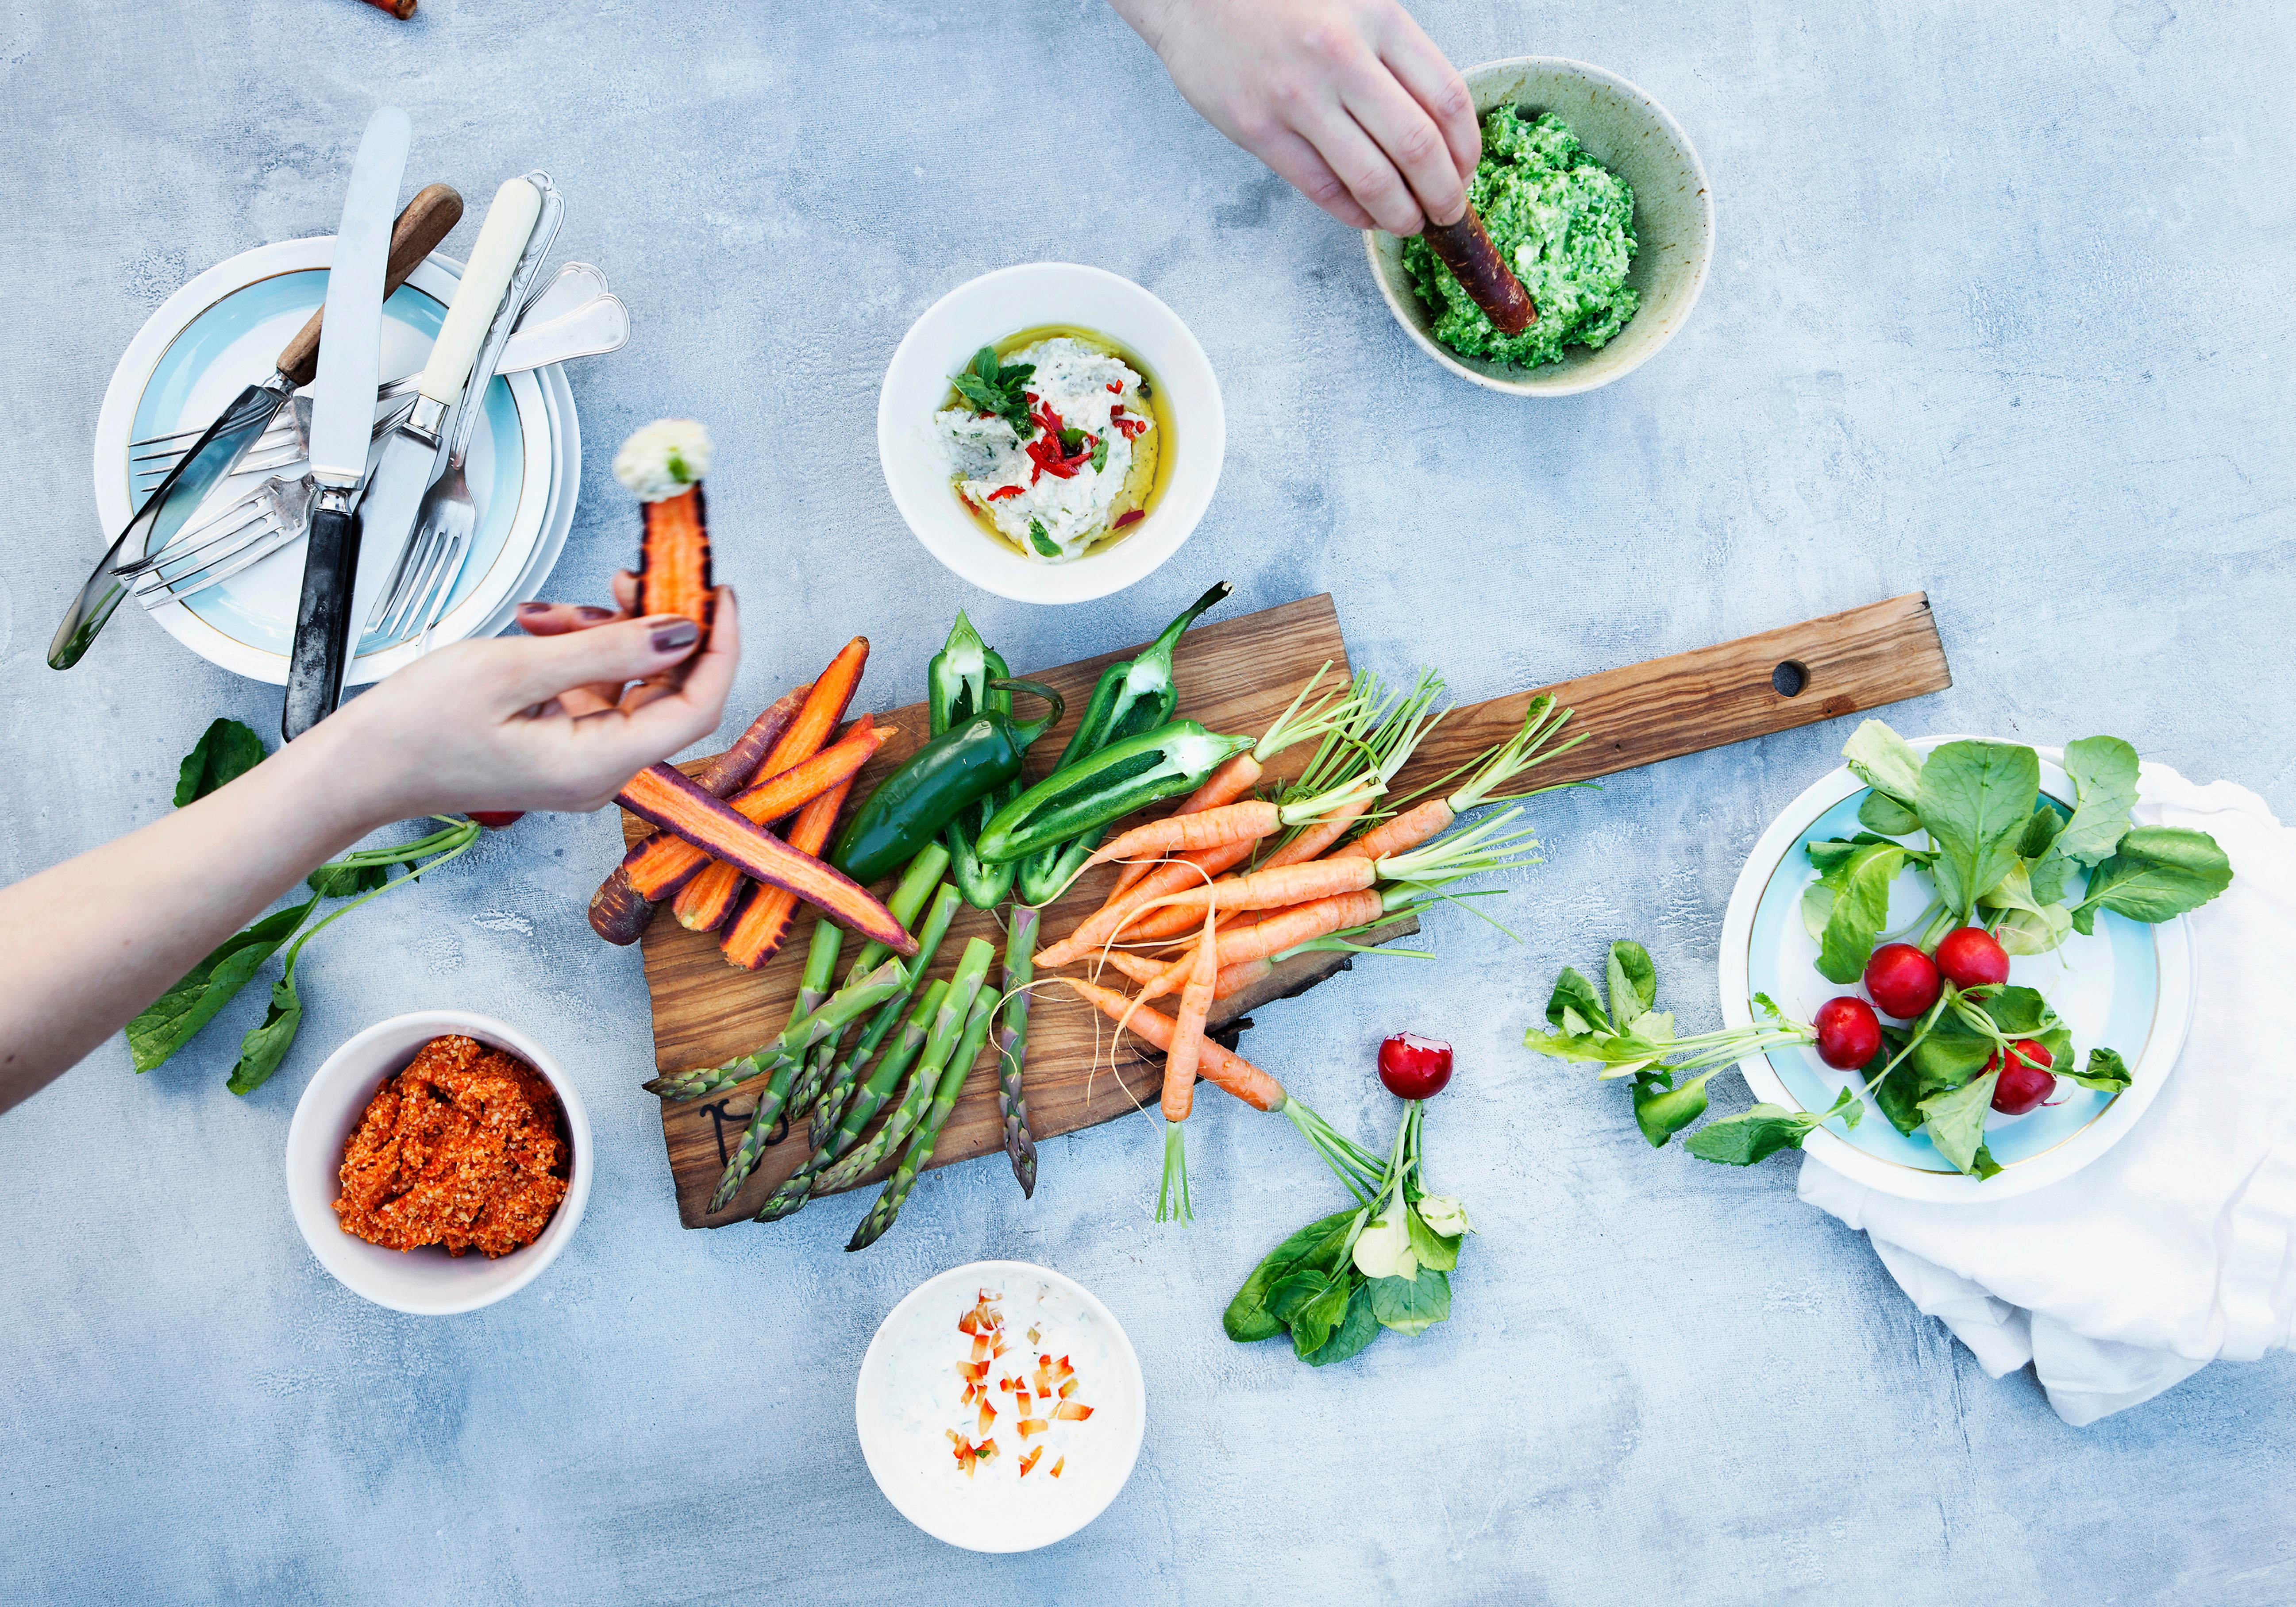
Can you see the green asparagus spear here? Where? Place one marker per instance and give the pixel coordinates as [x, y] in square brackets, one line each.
[921, 1147]
[948, 1024]
[1012, 1047]
[836, 1012]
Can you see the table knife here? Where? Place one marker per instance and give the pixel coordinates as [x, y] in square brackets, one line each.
[342, 422]
[429, 218]
[410, 454]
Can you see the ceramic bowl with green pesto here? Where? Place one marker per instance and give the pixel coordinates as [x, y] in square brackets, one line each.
[1631, 135]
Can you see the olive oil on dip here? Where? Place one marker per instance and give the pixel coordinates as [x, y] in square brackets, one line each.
[994, 474]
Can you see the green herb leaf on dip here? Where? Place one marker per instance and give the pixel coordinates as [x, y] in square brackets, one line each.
[997, 388]
[1041, 539]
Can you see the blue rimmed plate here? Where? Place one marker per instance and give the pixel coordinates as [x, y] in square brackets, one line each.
[223, 331]
[2128, 987]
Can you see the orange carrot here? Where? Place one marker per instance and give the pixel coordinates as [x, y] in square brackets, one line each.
[703, 902]
[1187, 1046]
[764, 924]
[1272, 890]
[1263, 939]
[1311, 843]
[1406, 830]
[1208, 829]
[1229, 782]
[674, 563]
[1223, 1068]
[1138, 967]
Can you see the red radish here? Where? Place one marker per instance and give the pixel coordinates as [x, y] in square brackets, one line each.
[2025, 1081]
[1903, 981]
[1414, 1066]
[1971, 958]
[496, 819]
[1849, 1033]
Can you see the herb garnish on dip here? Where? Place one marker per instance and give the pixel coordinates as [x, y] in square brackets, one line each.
[1562, 221]
[1053, 444]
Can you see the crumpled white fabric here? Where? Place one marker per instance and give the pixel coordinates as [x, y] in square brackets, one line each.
[2177, 1247]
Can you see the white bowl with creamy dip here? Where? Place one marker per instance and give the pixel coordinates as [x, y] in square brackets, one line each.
[1050, 1472]
[1191, 433]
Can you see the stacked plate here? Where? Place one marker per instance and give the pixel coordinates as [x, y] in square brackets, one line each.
[225, 330]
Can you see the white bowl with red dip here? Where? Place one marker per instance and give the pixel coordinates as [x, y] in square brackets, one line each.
[427, 1281]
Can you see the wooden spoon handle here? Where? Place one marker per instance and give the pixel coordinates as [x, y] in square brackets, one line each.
[1466, 250]
[429, 218]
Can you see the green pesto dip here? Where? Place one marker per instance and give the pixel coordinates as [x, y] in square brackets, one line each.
[1564, 222]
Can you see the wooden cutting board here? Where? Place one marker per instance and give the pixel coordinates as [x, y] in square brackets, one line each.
[1238, 676]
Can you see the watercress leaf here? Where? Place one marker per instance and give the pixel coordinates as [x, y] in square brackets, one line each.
[2043, 827]
[262, 1049]
[2103, 769]
[1884, 814]
[1412, 1306]
[1432, 1249]
[1357, 1327]
[171, 1021]
[1861, 908]
[1887, 763]
[2156, 873]
[225, 751]
[1573, 993]
[1312, 1323]
[2106, 1071]
[1661, 1113]
[1632, 980]
[1975, 800]
[1956, 1119]
[1247, 1318]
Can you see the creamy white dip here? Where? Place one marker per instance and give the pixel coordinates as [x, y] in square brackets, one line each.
[1051, 517]
[915, 1412]
[663, 459]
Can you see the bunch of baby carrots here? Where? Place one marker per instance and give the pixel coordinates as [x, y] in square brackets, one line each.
[1216, 895]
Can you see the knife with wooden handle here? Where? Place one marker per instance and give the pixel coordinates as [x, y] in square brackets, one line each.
[429, 218]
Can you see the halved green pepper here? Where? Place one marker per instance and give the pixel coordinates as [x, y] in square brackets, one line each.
[955, 769]
[1132, 697]
[1086, 798]
[957, 687]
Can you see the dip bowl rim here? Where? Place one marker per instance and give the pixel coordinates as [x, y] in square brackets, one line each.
[905, 1310]
[328, 1112]
[1199, 423]
[1590, 371]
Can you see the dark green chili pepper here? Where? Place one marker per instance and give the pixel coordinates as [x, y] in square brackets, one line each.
[957, 769]
[956, 689]
[1132, 697]
[1118, 779]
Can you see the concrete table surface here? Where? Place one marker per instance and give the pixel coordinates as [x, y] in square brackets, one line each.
[1999, 310]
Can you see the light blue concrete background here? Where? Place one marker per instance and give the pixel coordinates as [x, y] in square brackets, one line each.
[2000, 310]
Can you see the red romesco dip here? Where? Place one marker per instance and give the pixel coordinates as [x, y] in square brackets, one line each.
[464, 1148]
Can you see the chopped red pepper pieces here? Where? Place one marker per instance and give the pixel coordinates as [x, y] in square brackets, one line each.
[1129, 516]
[1058, 1464]
[1115, 388]
[1002, 492]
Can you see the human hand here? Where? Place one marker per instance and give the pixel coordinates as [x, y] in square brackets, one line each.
[530, 723]
[1346, 99]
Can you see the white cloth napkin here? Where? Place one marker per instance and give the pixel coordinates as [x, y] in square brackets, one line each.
[2177, 1246]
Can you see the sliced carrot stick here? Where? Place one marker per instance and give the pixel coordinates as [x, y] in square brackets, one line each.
[674, 564]
[703, 902]
[764, 924]
[1230, 781]
[1233, 823]
[1181, 1060]
[1406, 830]
[1223, 1068]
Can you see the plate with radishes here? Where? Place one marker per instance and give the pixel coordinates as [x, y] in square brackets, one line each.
[1993, 957]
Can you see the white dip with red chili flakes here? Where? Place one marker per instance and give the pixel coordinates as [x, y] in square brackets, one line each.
[1000, 1411]
[1056, 457]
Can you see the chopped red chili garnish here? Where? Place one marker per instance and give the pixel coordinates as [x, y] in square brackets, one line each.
[1129, 516]
[1115, 388]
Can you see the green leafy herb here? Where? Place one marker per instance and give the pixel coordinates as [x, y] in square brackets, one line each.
[1248, 1316]
[1858, 910]
[1099, 453]
[1041, 539]
[998, 390]
[1759, 1134]
[1975, 799]
[225, 751]
[169, 1022]
[2155, 873]
[1357, 1327]
[2106, 1072]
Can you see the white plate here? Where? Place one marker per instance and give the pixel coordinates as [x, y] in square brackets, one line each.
[223, 331]
[2129, 987]
[908, 1398]
[982, 312]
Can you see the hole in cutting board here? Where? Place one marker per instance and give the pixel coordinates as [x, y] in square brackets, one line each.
[1789, 679]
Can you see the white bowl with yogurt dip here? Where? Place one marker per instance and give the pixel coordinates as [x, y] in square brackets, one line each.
[1048, 296]
[912, 1407]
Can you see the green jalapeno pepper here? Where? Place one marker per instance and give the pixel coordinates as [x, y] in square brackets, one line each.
[1122, 777]
[957, 687]
[1132, 697]
[957, 769]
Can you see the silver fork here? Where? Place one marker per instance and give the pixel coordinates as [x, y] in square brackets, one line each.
[247, 532]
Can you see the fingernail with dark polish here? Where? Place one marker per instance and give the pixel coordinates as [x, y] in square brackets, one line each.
[531, 609]
[588, 612]
[675, 638]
